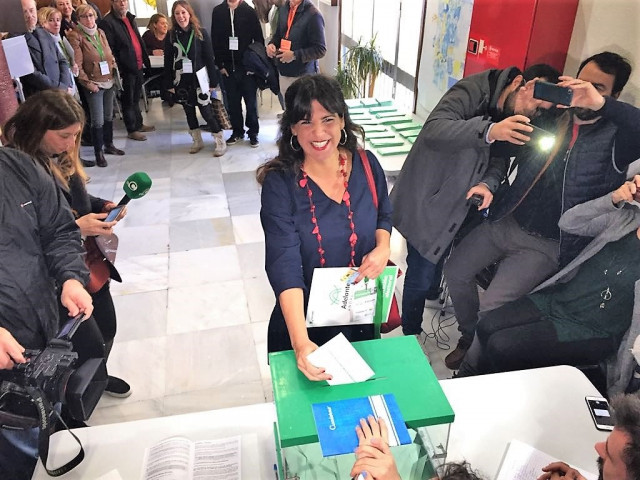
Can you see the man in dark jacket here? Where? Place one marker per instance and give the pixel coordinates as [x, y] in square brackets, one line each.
[234, 26]
[448, 163]
[298, 42]
[40, 246]
[597, 140]
[126, 44]
[51, 69]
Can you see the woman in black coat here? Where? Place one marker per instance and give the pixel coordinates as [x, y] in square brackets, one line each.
[187, 50]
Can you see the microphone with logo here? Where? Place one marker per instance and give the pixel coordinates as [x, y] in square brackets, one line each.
[136, 186]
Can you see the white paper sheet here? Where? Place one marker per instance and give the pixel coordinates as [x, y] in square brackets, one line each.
[203, 79]
[341, 361]
[524, 462]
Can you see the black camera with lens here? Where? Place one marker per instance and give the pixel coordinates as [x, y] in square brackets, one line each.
[54, 374]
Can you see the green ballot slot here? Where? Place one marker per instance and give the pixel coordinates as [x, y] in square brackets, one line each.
[401, 369]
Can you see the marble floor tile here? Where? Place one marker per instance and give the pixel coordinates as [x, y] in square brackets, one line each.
[205, 265]
[206, 306]
[247, 229]
[141, 315]
[141, 363]
[127, 412]
[260, 298]
[205, 233]
[143, 273]
[210, 358]
[213, 398]
[135, 241]
[251, 259]
[199, 207]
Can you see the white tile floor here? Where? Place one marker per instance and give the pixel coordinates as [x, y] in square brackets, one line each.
[195, 301]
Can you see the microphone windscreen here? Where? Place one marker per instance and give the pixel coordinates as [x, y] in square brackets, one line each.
[137, 185]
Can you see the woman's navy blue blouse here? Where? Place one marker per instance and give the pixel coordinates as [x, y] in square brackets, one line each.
[291, 248]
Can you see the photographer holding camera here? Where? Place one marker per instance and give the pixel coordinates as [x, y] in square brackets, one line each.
[40, 247]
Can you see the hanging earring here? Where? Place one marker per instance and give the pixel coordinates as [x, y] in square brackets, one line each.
[343, 136]
[291, 143]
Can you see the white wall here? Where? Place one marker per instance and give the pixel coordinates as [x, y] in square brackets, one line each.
[612, 25]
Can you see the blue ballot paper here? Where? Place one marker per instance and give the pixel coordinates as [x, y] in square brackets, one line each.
[336, 422]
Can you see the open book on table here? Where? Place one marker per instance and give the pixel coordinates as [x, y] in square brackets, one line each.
[335, 300]
[524, 462]
[179, 458]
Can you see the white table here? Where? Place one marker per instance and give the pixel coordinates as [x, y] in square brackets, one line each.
[544, 408]
[121, 446]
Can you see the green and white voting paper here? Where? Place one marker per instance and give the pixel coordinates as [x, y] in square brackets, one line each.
[335, 300]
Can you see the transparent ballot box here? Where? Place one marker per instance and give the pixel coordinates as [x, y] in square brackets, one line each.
[401, 369]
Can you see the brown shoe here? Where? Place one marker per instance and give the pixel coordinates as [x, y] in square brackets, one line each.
[137, 136]
[147, 128]
[100, 160]
[112, 150]
[455, 358]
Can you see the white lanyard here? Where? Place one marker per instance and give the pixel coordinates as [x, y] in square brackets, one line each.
[233, 30]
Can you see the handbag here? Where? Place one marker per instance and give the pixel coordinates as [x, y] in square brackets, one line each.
[218, 109]
[394, 320]
[99, 260]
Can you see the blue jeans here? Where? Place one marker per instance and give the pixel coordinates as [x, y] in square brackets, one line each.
[100, 105]
[18, 453]
[418, 279]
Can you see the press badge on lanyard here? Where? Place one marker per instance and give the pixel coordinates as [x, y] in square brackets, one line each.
[233, 43]
[104, 67]
[285, 43]
[187, 66]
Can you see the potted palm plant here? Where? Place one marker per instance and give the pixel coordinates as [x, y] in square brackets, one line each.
[348, 83]
[364, 62]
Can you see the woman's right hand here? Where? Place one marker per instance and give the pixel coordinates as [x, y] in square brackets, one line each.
[93, 87]
[93, 224]
[309, 370]
[157, 53]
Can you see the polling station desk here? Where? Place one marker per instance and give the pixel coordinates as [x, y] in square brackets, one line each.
[121, 446]
[544, 408]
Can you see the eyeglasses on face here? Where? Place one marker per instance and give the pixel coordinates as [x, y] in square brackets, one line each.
[88, 15]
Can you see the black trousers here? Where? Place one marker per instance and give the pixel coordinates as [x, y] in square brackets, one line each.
[239, 86]
[207, 113]
[94, 337]
[516, 336]
[130, 99]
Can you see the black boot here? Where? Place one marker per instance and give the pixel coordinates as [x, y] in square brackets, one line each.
[109, 147]
[98, 140]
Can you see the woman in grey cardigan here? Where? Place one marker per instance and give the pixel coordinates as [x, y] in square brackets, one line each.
[586, 312]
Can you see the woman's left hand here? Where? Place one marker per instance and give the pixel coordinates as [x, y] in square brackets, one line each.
[373, 263]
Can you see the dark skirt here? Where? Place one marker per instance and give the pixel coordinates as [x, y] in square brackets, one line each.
[278, 336]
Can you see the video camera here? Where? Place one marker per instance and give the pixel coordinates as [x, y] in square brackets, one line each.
[50, 374]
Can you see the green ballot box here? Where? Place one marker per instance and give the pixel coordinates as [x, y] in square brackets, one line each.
[401, 369]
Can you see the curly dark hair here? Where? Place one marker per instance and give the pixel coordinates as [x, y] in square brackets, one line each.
[297, 99]
[457, 471]
[626, 417]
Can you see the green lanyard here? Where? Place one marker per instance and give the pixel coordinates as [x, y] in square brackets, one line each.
[186, 51]
[95, 41]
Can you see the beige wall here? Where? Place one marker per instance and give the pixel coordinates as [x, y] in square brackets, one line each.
[608, 25]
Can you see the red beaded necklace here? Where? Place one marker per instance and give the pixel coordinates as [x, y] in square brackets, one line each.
[346, 198]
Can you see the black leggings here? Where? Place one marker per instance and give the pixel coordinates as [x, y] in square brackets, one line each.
[517, 336]
[94, 337]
